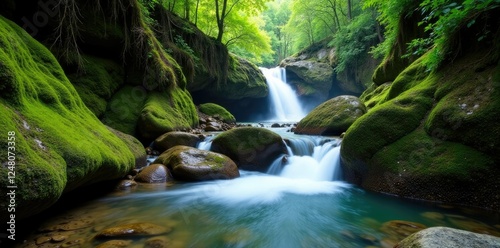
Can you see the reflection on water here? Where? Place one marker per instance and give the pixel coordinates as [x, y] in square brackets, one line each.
[257, 210]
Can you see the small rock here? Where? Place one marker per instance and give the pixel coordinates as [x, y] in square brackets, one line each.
[134, 229]
[157, 242]
[125, 184]
[275, 125]
[73, 243]
[41, 240]
[154, 173]
[59, 238]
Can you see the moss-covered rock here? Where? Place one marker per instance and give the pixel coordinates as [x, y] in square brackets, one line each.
[59, 143]
[164, 112]
[97, 82]
[251, 148]
[171, 139]
[332, 117]
[135, 147]
[431, 136]
[191, 164]
[213, 109]
[124, 109]
[244, 80]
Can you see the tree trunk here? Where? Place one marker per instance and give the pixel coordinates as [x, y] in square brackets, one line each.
[196, 12]
[220, 18]
[186, 10]
[349, 10]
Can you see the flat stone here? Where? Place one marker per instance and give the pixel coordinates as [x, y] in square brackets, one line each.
[115, 244]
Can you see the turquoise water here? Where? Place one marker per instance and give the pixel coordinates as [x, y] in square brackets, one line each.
[290, 209]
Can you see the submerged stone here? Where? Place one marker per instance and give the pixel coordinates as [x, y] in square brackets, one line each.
[115, 244]
[134, 229]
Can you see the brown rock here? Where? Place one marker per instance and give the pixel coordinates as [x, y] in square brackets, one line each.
[154, 173]
[171, 139]
[134, 229]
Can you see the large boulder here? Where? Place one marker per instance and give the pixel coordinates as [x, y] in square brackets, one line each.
[213, 109]
[252, 148]
[432, 136]
[191, 164]
[332, 117]
[135, 147]
[445, 237]
[59, 143]
[171, 139]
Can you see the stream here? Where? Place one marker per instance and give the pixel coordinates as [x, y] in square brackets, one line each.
[302, 204]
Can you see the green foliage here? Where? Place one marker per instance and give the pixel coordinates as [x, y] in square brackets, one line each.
[442, 20]
[275, 18]
[354, 41]
[243, 34]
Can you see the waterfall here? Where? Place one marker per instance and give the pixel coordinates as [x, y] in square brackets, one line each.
[206, 144]
[285, 104]
[311, 159]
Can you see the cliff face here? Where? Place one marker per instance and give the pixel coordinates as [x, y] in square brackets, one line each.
[312, 73]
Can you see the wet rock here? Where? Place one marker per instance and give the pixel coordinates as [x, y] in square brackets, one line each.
[444, 237]
[157, 242]
[171, 139]
[115, 244]
[275, 125]
[191, 164]
[211, 128]
[69, 225]
[154, 173]
[134, 229]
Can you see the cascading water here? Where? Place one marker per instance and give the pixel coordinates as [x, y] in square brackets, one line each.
[285, 104]
[313, 159]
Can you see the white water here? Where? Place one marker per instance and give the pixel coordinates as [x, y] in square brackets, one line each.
[313, 171]
[285, 104]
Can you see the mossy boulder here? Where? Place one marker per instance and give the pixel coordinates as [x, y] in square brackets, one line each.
[191, 164]
[244, 80]
[59, 144]
[164, 112]
[431, 136]
[176, 138]
[252, 148]
[149, 114]
[332, 117]
[213, 109]
[135, 147]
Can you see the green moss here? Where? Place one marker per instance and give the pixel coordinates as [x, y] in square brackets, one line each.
[65, 145]
[247, 138]
[418, 154]
[332, 117]
[215, 109]
[469, 108]
[165, 112]
[124, 109]
[97, 83]
[244, 80]
[385, 124]
[375, 95]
